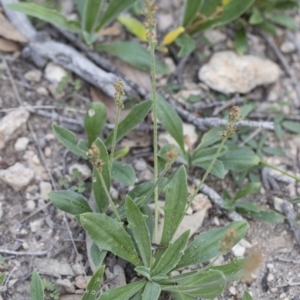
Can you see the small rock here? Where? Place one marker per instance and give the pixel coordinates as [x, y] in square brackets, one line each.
[117, 278]
[232, 290]
[164, 21]
[52, 267]
[78, 269]
[238, 250]
[17, 176]
[48, 151]
[278, 202]
[12, 125]
[245, 243]
[42, 91]
[83, 169]
[140, 164]
[33, 75]
[228, 72]
[67, 285]
[146, 175]
[114, 193]
[54, 73]
[36, 225]
[1, 211]
[45, 189]
[25, 246]
[216, 221]
[200, 202]
[214, 36]
[30, 205]
[270, 277]
[80, 282]
[287, 47]
[21, 143]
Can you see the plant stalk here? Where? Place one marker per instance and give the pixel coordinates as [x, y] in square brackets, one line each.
[113, 145]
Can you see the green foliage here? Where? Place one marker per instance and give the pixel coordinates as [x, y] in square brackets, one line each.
[51, 289]
[247, 296]
[36, 287]
[95, 14]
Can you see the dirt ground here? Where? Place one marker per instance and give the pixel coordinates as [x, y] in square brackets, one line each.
[28, 223]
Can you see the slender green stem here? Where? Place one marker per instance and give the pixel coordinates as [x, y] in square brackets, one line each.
[113, 145]
[155, 150]
[109, 197]
[206, 173]
[279, 170]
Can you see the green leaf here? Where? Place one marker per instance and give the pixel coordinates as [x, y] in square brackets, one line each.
[180, 296]
[115, 7]
[231, 271]
[247, 296]
[123, 173]
[282, 20]
[207, 154]
[138, 225]
[123, 292]
[46, 14]
[244, 206]
[121, 153]
[134, 26]
[240, 41]
[207, 285]
[97, 255]
[136, 116]
[268, 27]
[94, 121]
[98, 190]
[2, 278]
[210, 137]
[80, 6]
[176, 200]
[70, 202]
[256, 17]
[36, 287]
[134, 54]
[217, 170]
[247, 189]
[291, 126]
[286, 4]
[91, 12]
[191, 8]
[295, 200]
[170, 120]
[68, 139]
[186, 43]
[172, 255]
[94, 285]
[207, 245]
[144, 271]
[267, 216]
[151, 291]
[1, 259]
[273, 151]
[109, 235]
[239, 159]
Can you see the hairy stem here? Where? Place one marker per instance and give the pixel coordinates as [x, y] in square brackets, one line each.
[113, 145]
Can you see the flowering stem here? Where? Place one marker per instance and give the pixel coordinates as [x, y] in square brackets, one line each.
[113, 145]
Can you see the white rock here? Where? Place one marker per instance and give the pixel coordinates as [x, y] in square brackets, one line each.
[278, 202]
[36, 225]
[270, 277]
[42, 91]
[232, 290]
[164, 21]
[228, 72]
[238, 250]
[33, 75]
[1, 211]
[146, 175]
[287, 47]
[214, 36]
[201, 202]
[54, 73]
[45, 189]
[17, 176]
[140, 164]
[52, 267]
[12, 125]
[30, 205]
[21, 143]
[83, 169]
[114, 193]
[245, 243]
[67, 285]
[78, 269]
[80, 282]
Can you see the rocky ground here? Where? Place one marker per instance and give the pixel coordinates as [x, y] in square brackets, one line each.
[35, 235]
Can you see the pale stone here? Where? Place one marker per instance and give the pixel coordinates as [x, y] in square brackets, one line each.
[214, 36]
[45, 189]
[287, 47]
[140, 164]
[232, 290]
[36, 225]
[200, 202]
[80, 282]
[238, 250]
[78, 269]
[52, 267]
[17, 176]
[30, 205]
[82, 168]
[67, 285]
[270, 277]
[42, 91]
[33, 75]
[228, 72]
[1, 211]
[54, 73]
[21, 143]
[12, 125]
[278, 202]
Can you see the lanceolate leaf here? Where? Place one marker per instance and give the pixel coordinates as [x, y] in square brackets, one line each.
[70, 202]
[180, 296]
[94, 285]
[231, 271]
[191, 9]
[114, 8]
[151, 291]
[136, 116]
[134, 26]
[247, 296]
[123, 292]
[210, 137]
[98, 190]
[138, 225]
[47, 15]
[94, 121]
[207, 245]
[108, 234]
[217, 170]
[36, 287]
[186, 43]
[170, 120]
[175, 204]
[2, 277]
[291, 126]
[247, 190]
[134, 54]
[97, 255]
[172, 255]
[123, 173]
[68, 139]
